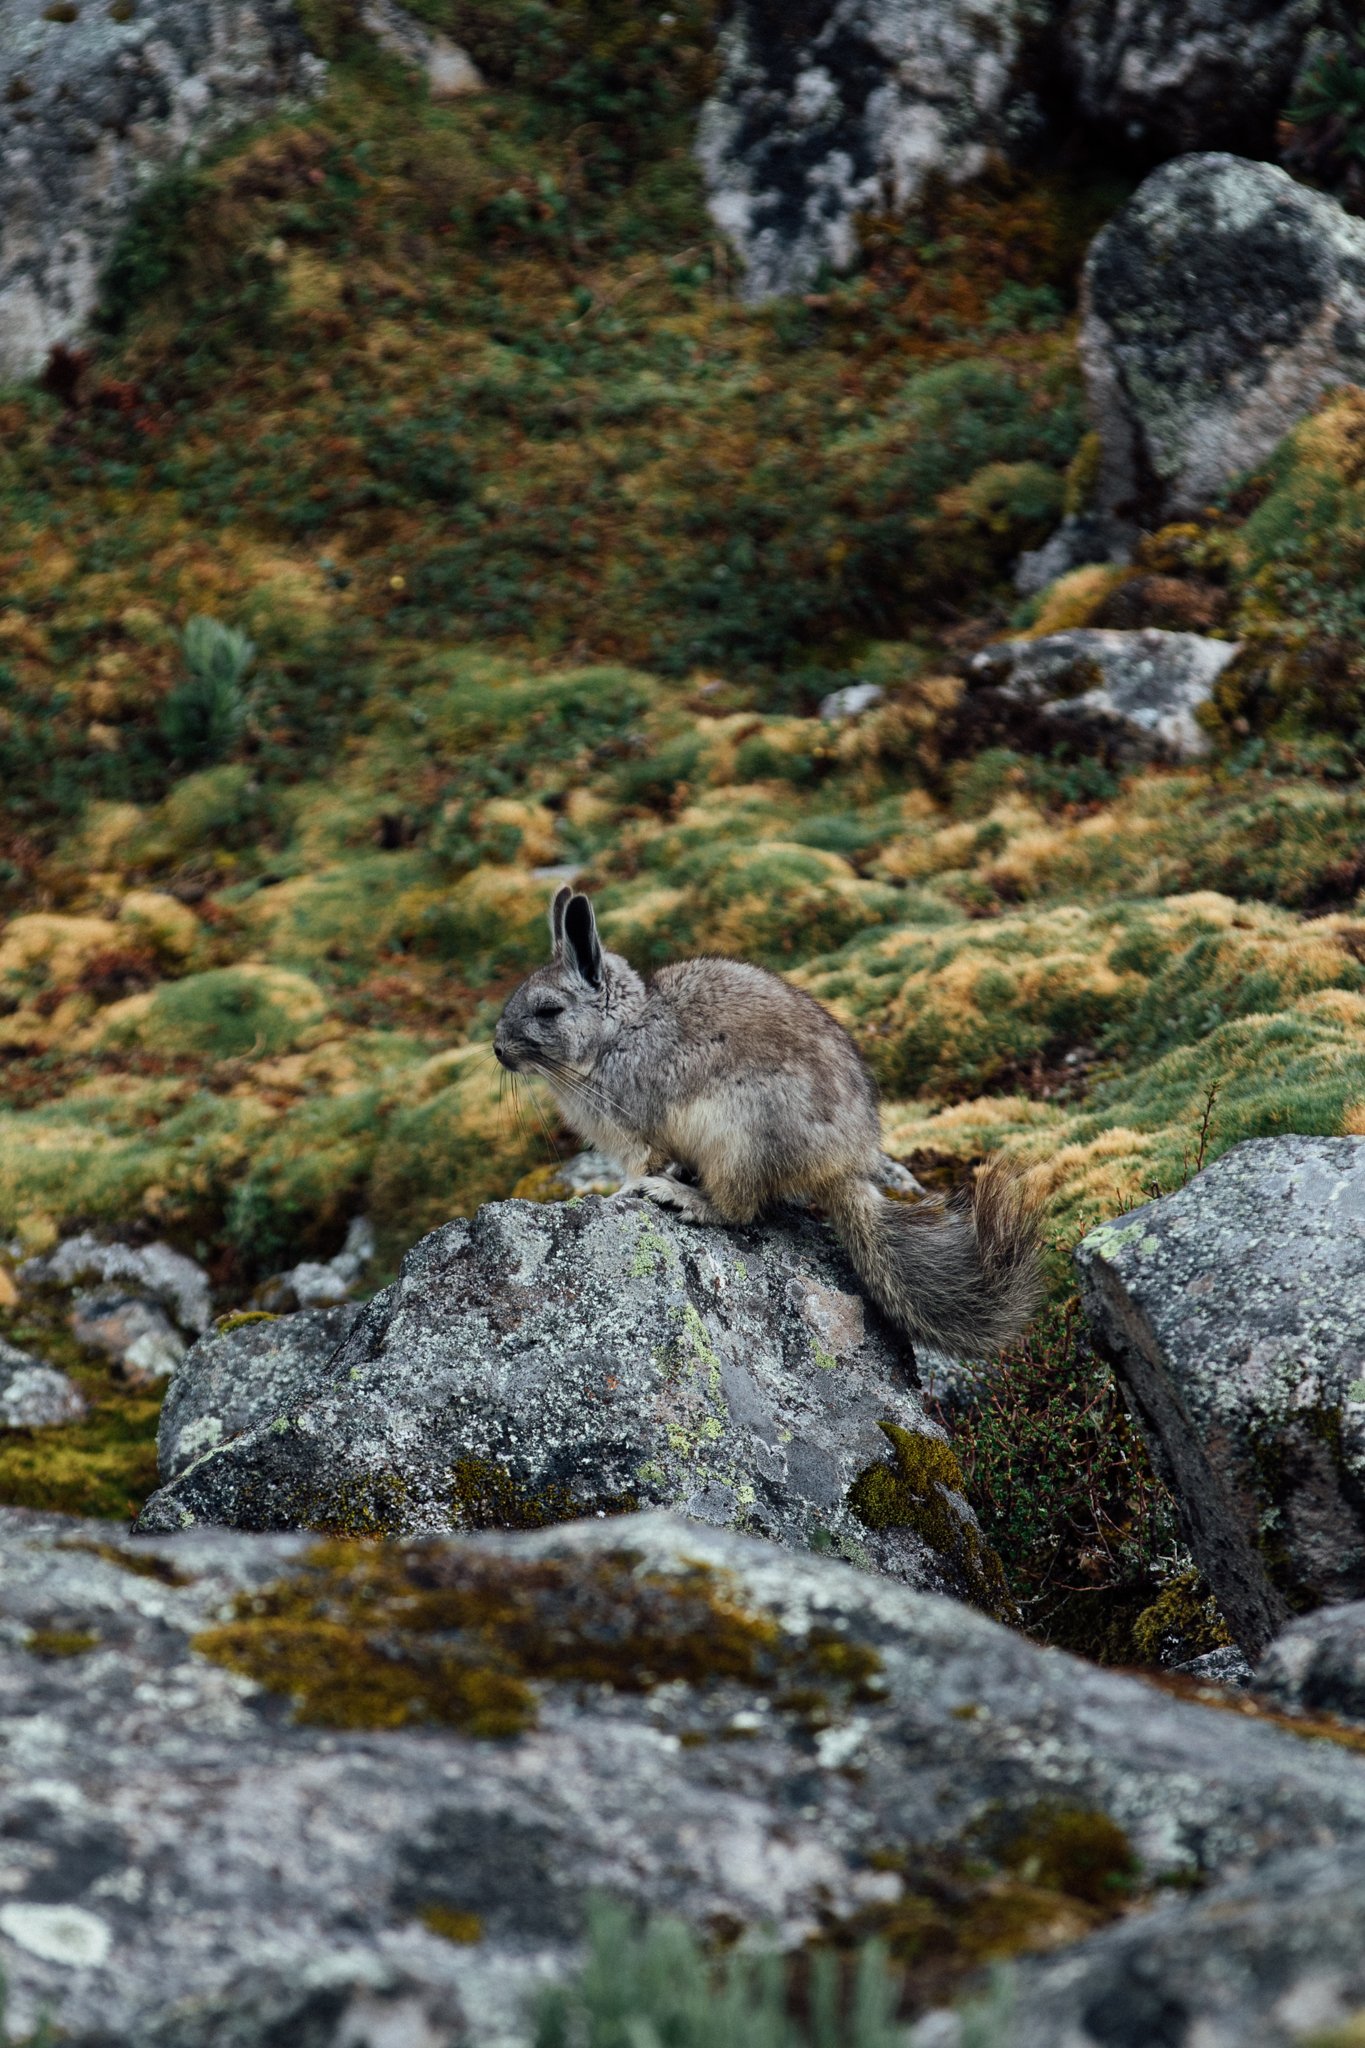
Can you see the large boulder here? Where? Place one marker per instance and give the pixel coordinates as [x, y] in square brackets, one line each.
[94, 100]
[256, 1790]
[1173, 75]
[1234, 1315]
[1220, 304]
[1134, 695]
[550, 1360]
[831, 108]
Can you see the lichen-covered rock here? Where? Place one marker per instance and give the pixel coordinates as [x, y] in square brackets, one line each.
[246, 1376]
[1137, 694]
[93, 101]
[550, 1360]
[837, 107]
[1173, 75]
[248, 1791]
[32, 1395]
[1317, 1666]
[1234, 1314]
[1220, 304]
[1273, 1960]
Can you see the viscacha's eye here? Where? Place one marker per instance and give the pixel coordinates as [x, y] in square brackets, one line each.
[548, 1010]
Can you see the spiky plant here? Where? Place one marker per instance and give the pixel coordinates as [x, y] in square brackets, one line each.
[656, 1989]
[203, 717]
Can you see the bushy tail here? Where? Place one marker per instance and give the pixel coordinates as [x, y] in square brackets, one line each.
[961, 1276]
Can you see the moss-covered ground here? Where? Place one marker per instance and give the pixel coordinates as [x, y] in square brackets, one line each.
[549, 546]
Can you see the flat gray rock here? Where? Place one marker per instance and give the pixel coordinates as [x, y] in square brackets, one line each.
[1220, 304]
[1234, 1314]
[1317, 1666]
[1138, 693]
[708, 1726]
[33, 1395]
[548, 1360]
[235, 1381]
[91, 107]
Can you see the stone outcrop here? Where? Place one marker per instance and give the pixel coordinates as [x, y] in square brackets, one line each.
[252, 1791]
[1234, 1314]
[1220, 304]
[154, 1272]
[834, 108]
[1134, 695]
[1317, 1666]
[541, 1362]
[93, 102]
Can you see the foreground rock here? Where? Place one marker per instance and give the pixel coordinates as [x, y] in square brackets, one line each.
[1136, 695]
[833, 110]
[94, 100]
[1275, 1960]
[541, 1362]
[1221, 303]
[1317, 1666]
[1234, 1313]
[688, 1719]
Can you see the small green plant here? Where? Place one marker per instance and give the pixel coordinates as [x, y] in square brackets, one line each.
[203, 717]
[1328, 116]
[656, 1989]
[43, 2037]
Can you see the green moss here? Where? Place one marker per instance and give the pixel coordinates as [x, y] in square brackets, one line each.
[1184, 1621]
[60, 1642]
[104, 1465]
[383, 1637]
[142, 1564]
[913, 1492]
[1081, 1853]
[485, 1495]
[464, 1929]
[1018, 1887]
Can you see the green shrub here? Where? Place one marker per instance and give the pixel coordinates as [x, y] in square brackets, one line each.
[655, 1989]
[202, 719]
[1060, 1479]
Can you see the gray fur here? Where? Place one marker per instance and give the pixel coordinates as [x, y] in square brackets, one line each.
[720, 1089]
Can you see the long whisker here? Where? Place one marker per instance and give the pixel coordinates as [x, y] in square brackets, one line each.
[588, 1091]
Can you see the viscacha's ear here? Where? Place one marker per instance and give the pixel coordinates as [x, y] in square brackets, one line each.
[584, 948]
[558, 906]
